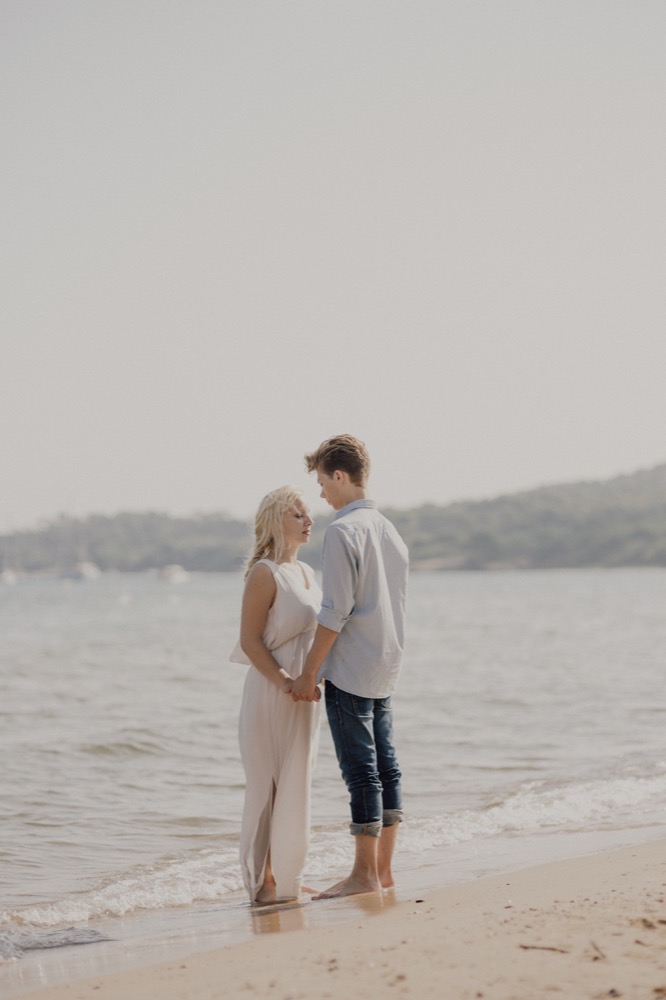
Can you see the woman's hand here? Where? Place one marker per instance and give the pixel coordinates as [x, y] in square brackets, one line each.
[287, 683]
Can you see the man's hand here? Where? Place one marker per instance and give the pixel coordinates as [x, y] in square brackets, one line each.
[304, 688]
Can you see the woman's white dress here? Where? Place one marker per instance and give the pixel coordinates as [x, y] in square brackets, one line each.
[279, 739]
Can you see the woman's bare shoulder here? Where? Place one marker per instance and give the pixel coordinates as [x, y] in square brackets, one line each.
[260, 577]
[262, 570]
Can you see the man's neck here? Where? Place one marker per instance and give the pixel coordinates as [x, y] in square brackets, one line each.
[352, 494]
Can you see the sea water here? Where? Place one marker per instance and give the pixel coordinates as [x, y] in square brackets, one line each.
[530, 720]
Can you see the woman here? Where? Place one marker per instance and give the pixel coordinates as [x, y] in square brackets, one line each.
[278, 736]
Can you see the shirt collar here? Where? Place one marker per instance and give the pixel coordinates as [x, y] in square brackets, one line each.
[354, 505]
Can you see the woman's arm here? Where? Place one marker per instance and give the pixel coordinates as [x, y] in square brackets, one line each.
[258, 597]
[305, 688]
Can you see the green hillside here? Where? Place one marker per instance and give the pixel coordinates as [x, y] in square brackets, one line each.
[618, 522]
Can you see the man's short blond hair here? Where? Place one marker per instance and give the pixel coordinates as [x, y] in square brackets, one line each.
[344, 453]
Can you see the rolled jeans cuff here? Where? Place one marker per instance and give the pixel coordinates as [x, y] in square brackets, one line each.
[366, 829]
[392, 816]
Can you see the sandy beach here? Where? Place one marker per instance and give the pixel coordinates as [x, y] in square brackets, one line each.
[590, 927]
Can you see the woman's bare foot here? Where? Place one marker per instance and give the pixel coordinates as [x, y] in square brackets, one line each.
[266, 894]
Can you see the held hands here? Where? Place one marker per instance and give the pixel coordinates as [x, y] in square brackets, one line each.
[288, 684]
[305, 688]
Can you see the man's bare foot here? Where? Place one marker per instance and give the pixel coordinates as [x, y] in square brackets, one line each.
[353, 885]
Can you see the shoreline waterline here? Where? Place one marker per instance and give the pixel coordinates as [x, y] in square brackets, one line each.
[142, 941]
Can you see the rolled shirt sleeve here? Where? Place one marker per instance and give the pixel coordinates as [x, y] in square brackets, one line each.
[340, 576]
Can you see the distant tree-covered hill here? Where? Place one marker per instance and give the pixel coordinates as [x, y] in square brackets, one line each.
[617, 522]
[130, 542]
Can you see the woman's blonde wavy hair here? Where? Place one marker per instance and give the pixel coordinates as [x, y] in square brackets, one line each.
[268, 533]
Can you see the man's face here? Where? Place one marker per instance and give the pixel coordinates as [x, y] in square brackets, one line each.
[331, 489]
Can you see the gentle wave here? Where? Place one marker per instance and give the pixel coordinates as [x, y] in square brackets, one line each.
[537, 808]
[123, 748]
[171, 882]
[18, 943]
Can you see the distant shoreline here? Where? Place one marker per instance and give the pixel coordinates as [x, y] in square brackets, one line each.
[619, 522]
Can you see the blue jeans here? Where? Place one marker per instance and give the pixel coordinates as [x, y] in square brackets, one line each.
[362, 731]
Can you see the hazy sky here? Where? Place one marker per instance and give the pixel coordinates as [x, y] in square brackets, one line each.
[231, 229]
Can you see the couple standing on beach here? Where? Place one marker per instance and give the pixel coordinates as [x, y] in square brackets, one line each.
[294, 634]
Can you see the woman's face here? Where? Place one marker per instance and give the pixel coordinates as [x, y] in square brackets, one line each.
[297, 525]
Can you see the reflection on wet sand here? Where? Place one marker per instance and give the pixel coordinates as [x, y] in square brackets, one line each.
[295, 916]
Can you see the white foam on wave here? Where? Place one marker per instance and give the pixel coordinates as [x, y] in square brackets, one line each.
[171, 882]
[538, 807]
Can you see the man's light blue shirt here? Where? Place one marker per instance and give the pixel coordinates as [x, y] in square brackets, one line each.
[365, 566]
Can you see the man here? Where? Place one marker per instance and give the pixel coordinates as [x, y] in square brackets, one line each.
[358, 647]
